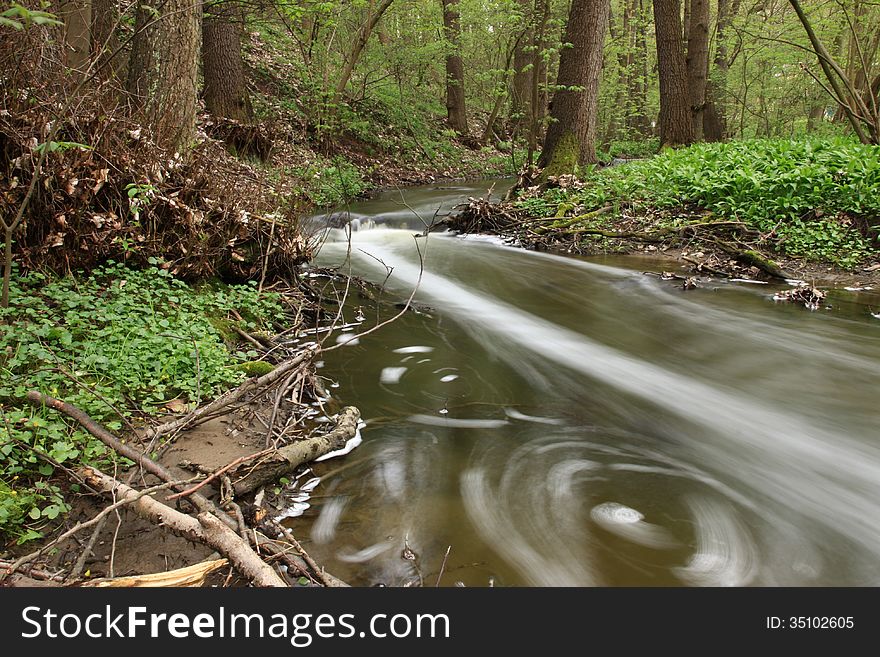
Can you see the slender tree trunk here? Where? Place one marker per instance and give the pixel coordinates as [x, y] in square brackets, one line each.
[105, 18]
[499, 96]
[359, 44]
[714, 116]
[77, 18]
[142, 60]
[172, 106]
[456, 113]
[637, 69]
[225, 91]
[814, 119]
[698, 62]
[686, 24]
[571, 136]
[616, 115]
[519, 89]
[676, 124]
[536, 114]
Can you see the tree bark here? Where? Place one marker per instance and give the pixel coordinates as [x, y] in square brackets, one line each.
[456, 113]
[105, 19]
[142, 60]
[698, 62]
[172, 106]
[714, 116]
[77, 17]
[571, 136]
[225, 92]
[519, 90]
[676, 124]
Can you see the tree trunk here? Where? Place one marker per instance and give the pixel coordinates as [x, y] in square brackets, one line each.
[637, 69]
[225, 91]
[358, 47]
[105, 19]
[172, 106]
[519, 90]
[536, 114]
[714, 116]
[456, 114]
[698, 62]
[571, 136]
[142, 60]
[814, 119]
[76, 15]
[676, 124]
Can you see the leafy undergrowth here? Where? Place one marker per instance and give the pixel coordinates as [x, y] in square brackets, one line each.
[812, 199]
[118, 343]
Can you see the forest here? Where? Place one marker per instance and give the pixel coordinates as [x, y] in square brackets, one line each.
[170, 171]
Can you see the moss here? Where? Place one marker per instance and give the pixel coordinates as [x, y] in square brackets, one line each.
[564, 159]
[224, 328]
[255, 367]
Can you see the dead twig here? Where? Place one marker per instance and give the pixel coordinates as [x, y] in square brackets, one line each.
[136, 495]
[207, 529]
[226, 468]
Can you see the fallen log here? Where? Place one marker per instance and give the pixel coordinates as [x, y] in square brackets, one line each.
[286, 459]
[206, 528]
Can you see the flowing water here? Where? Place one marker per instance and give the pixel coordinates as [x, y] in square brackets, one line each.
[573, 421]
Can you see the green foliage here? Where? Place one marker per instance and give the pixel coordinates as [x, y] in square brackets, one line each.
[123, 339]
[803, 194]
[18, 17]
[332, 183]
[630, 148]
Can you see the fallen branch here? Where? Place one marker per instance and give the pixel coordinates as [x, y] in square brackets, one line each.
[207, 529]
[31, 572]
[190, 576]
[578, 219]
[202, 503]
[289, 457]
[27, 558]
[755, 259]
[226, 468]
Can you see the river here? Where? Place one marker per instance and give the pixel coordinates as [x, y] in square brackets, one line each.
[558, 421]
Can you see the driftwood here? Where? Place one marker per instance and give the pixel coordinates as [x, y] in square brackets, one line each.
[190, 576]
[207, 529]
[288, 458]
